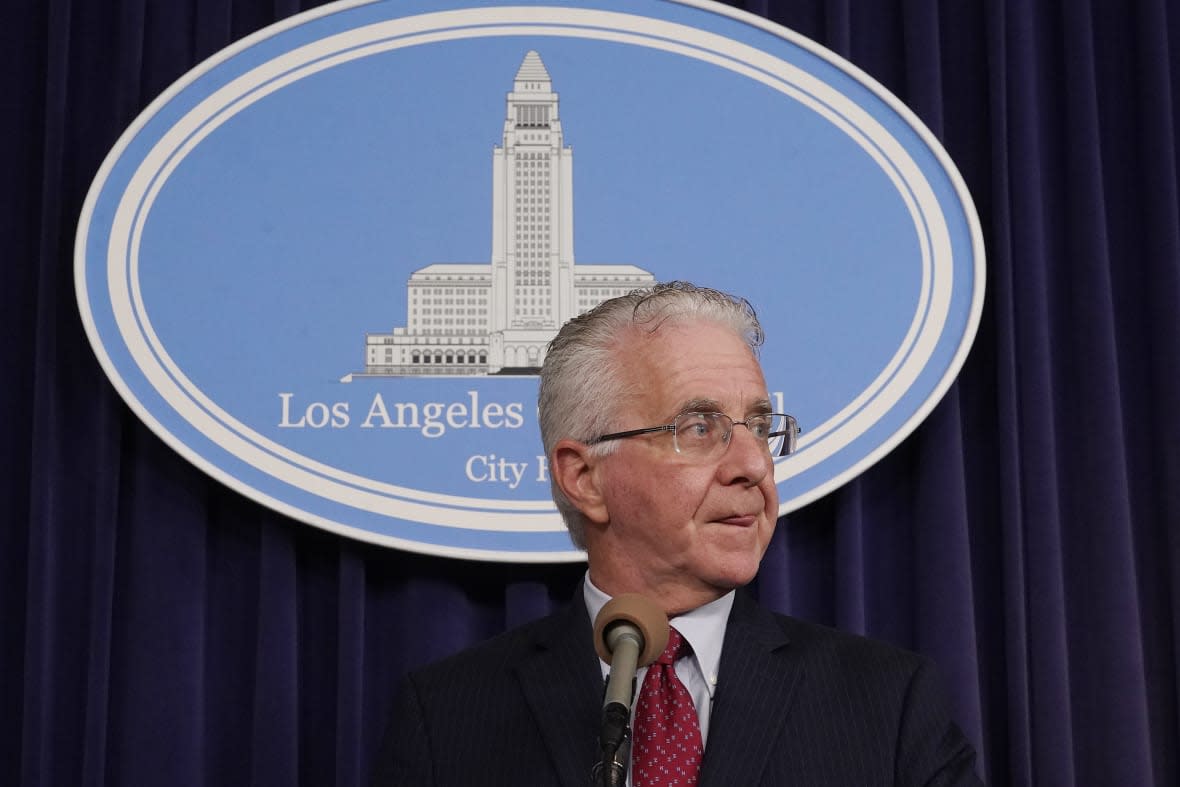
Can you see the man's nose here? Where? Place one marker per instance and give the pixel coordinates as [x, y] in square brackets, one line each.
[746, 459]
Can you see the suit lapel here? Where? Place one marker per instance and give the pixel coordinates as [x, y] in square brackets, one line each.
[756, 684]
[562, 683]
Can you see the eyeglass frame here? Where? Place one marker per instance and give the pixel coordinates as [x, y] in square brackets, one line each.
[792, 431]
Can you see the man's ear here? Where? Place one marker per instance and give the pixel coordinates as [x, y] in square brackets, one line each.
[576, 471]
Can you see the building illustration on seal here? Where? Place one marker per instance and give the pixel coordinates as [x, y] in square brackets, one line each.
[497, 318]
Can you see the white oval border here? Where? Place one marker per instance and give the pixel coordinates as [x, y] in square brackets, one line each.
[340, 487]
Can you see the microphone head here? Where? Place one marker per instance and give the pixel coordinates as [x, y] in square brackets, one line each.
[640, 612]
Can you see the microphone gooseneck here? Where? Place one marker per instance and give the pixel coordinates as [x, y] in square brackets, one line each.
[630, 632]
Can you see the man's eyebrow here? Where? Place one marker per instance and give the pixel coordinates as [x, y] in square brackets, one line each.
[701, 406]
[761, 406]
[757, 407]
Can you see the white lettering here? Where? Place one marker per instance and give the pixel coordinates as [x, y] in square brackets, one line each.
[492, 411]
[285, 421]
[377, 409]
[317, 415]
[456, 415]
[481, 468]
[472, 463]
[431, 419]
[516, 469]
[474, 397]
[431, 426]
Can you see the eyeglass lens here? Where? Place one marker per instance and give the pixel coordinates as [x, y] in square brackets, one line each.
[698, 433]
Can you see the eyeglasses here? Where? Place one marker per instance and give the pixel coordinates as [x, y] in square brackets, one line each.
[706, 434]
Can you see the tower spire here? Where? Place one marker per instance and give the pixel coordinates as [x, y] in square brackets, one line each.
[532, 75]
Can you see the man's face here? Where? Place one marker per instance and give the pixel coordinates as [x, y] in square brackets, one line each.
[685, 529]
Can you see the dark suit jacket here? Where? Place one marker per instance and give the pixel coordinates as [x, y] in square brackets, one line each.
[796, 704]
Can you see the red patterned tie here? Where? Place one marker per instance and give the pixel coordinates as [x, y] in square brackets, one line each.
[666, 751]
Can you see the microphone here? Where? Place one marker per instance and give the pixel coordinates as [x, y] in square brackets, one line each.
[631, 631]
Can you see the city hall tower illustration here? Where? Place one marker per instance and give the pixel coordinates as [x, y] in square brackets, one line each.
[497, 318]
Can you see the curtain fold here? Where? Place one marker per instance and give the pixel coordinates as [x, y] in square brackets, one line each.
[160, 629]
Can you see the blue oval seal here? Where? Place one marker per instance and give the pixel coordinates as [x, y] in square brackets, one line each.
[325, 264]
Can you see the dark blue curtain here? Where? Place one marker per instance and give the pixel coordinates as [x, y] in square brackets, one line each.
[156, 628]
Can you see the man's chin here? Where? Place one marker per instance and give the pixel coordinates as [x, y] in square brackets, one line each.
[734, 576]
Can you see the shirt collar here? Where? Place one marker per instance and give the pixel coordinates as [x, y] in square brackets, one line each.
[703, 627]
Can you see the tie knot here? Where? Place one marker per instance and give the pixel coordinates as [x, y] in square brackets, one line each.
[677, 646]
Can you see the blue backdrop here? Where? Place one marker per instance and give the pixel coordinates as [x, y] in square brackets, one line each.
[160, 629]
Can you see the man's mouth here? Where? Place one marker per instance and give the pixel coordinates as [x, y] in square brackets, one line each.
[740, 520]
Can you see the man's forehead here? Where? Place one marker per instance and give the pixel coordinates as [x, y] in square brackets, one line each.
[645, 339]
[685, 363]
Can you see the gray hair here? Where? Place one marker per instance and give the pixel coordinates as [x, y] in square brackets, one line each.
[581, 387]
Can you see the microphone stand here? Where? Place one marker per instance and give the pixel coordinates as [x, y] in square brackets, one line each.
[614, 741]
[614, 745]
[627, 630]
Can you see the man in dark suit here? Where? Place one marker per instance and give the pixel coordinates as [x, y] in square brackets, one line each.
[658, 426]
